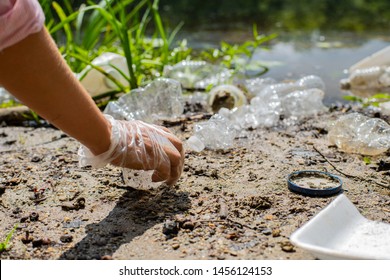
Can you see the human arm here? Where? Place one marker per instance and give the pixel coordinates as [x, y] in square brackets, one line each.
[34, 71]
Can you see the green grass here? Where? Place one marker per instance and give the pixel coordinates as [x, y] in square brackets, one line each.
[5, 245]
[134, 29]
[374, 100]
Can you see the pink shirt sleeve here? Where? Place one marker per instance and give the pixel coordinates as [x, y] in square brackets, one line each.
[18, 19]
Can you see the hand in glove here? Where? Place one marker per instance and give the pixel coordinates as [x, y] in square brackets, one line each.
[141, 146]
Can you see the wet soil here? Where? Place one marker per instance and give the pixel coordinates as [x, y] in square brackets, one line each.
[231, 204]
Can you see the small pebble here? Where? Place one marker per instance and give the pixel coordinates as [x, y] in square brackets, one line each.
[175, 246]
[288, 248]
[266, 231]
[276, 233]
[34, 216]
[188, 225]
[36, 158]
[170, 227]
[66, 238]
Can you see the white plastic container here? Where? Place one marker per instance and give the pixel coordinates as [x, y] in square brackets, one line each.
[95, 82]
[339, 231]
[380, 58]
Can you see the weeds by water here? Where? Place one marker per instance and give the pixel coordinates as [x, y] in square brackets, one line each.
[136, 30]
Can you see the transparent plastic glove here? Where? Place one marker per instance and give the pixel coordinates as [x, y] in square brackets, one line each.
[141, 146]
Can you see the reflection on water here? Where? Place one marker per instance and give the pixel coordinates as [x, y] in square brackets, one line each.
[291, 57]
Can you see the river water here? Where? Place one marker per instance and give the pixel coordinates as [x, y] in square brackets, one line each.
[291, 56]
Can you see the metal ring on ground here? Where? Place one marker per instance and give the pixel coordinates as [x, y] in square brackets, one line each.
[314, 191]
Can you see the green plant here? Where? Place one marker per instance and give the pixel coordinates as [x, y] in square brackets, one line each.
[134, 28]
[367, 160]
[118, 26]
[5, 244]
[239, 56]
[374, 100]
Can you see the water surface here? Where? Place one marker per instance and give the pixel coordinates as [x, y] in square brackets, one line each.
[289, 57]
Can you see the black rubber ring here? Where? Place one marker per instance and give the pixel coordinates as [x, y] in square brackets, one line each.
[313, 191]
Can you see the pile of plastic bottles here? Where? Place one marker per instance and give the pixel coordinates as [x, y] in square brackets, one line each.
[294, 100]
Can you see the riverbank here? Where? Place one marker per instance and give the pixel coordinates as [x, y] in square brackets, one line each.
[231, 204]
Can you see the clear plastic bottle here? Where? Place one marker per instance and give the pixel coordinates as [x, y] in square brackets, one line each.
[95, 82]
[216, 133]
[197, 74]
[160, 99]
[303, 103]
[356, 133]
[226, 96]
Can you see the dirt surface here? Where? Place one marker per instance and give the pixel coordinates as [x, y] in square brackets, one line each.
[231, 204]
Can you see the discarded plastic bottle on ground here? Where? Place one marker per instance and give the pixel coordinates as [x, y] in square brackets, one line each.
[197, 74]
[371, 79]
[267, 109]
[356, 133]
[162, 98]
[385, 108]
[226, 96]
[303, 103]
[95, 82]
[216, 133]
[282, 89]
[311, 81]
[296, 100]
[256, 85]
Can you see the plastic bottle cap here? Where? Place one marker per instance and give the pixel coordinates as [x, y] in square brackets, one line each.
[314, 190]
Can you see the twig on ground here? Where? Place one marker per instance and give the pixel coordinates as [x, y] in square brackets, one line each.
[349, 175]
[334, 167]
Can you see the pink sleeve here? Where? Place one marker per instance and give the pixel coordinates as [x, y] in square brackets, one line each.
[18, 19]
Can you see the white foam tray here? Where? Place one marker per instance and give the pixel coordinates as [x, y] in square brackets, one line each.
[339, 231]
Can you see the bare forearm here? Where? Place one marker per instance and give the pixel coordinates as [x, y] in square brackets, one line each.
[34, 71]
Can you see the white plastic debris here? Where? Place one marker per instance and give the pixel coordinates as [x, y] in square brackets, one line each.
[367, 81]
[216, 133]
[296, 100]
[226, 96]
[380, 58]
[197, 74]
[97, 83]
[356, 133]
[385, 108]
[340, 232]
[160, 99]
[255, 85]
[303, 103]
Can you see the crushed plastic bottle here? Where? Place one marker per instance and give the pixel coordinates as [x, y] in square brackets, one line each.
[197, 74]
[356, 133]
[385, 108]
[216, 133]
[303, 103]
[226, 96]
[95, 82]
[367, 79]
[311, 81]
[160, 99]
[379, 58]
[297, 100]
[282, 89]
[256, 85]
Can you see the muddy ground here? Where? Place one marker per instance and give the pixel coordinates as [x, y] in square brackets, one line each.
[231, 204]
